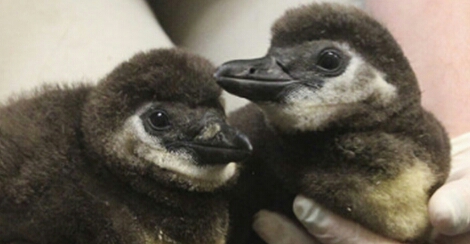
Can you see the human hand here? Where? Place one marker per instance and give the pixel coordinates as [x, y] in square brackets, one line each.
[449, 211]
[321, 226]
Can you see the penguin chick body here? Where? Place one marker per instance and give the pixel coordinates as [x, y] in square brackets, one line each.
[336, 116]
[145, 156]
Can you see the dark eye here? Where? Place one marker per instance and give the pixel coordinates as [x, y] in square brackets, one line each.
[329, 60]
[158, 120]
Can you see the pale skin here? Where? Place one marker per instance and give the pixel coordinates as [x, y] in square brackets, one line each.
[435, 36]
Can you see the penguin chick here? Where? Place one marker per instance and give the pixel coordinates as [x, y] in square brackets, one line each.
[145, 156]
[336, 117]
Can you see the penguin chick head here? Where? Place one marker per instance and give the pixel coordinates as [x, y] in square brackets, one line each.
[159, 118]
[328, 65]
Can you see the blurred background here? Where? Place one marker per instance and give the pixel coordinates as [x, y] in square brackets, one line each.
[66, 41]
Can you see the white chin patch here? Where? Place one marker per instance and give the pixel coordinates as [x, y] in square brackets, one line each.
[307, 109]
[134, 144]
[301, 116]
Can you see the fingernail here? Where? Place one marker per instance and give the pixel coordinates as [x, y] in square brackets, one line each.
[309, 212]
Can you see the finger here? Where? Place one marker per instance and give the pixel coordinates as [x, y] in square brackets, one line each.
[330, 228]
[449, 207]
[274, 228]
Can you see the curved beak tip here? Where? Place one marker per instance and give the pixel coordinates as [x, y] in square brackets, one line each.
[246, 144]
[221, 146]
[220, 72]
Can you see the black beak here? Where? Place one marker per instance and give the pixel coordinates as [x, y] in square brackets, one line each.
[262, 79]
[218, 143]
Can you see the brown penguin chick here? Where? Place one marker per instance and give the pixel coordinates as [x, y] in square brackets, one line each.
[336, 116]
[145, 156]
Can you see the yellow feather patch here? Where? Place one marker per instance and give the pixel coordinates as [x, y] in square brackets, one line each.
[400, 204]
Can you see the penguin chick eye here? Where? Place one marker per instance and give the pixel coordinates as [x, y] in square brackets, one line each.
[329, 60]
[158, 120]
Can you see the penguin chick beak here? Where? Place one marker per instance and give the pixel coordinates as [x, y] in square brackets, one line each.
[218, 143]
[259, 80]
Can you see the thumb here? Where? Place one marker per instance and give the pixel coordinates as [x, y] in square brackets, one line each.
[328, 227]
[449, 207]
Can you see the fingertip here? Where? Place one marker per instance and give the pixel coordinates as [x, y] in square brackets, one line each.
[448, 211]
[302, 206]
[313, 216]
[441, 215]
[261, 223]
[275, 228]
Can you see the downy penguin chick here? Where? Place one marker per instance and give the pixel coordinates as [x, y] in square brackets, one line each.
[336, 117]
[145, 156]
